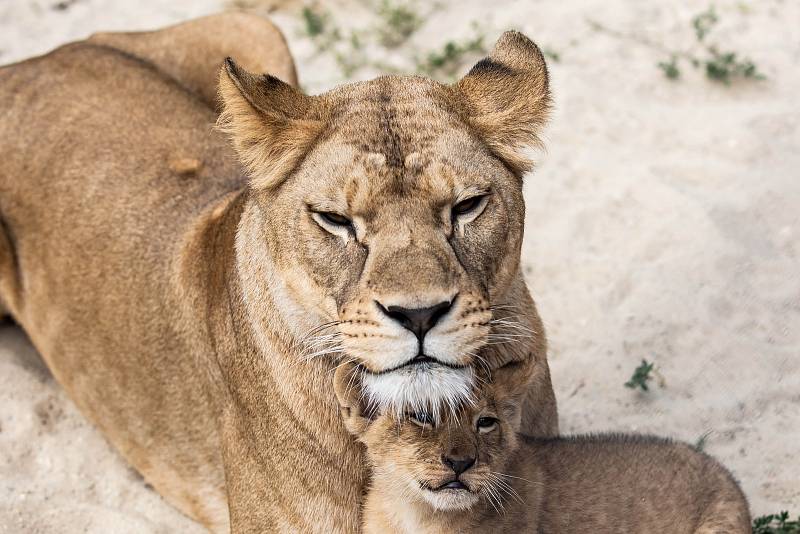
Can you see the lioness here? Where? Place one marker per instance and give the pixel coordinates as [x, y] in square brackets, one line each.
[193, 311]
[472, 472]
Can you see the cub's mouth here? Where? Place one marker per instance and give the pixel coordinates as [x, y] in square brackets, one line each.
[451, 495]
[452, 485]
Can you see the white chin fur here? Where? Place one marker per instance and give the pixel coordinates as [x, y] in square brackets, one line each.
[450, 500]
[425, 386]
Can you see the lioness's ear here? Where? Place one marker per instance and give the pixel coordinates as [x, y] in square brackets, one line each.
[272, 124]
[508, 98]
[351, 402]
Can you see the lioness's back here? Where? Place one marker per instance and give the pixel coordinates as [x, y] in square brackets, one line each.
[90, 141]
[68, 110]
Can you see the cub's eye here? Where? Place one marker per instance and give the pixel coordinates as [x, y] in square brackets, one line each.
[486, 424]
[422, 419]
[469, 208]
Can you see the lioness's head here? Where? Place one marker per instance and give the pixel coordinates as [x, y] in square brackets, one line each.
[449, 461]
[389, 214]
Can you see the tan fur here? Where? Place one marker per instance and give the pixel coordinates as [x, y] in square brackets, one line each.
[192, 52]
[603, 484]
[173, 298]
[352, 145]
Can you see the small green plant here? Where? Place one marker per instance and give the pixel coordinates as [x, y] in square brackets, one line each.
[318, 25]
[703, 22]
[551, 54]
[315, 21]
[776, 524]
[356, 48]
[445, 63]
[700, 444]
[724, 66]
[641, 375]
[718, 65]
[398, 22]
[670, 68]
[395, 21]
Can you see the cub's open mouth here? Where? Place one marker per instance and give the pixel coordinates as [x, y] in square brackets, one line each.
[418, 360]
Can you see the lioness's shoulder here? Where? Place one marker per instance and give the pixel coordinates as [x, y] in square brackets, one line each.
[78, 59]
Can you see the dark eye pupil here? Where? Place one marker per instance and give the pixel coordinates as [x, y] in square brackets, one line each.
[423, 418]
[484, 422]
[335, 218]
[467, 205]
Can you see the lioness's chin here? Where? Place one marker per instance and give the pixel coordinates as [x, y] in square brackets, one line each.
[445, 500]
[422, 386]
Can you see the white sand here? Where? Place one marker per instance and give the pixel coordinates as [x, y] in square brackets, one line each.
[663, 223]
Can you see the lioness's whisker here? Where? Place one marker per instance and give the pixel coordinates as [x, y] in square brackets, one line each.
[496, 307]
[322, 343]
[323, 337]
[508, 336]
[512, 323]
[320, 328]
[323, 352]
[502, 341]
[347, 360]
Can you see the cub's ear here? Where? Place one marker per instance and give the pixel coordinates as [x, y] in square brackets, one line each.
[347, 386]
[509, 385]
[507, 97]
[272, 124]
[512, 381]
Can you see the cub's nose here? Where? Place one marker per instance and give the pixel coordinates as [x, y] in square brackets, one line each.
[418, 320]
[458, 464]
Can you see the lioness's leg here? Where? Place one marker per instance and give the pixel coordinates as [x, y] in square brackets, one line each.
[9, 287]
[192, 52]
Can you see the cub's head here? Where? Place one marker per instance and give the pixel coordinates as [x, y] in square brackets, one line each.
[449, 462]
[386, 216]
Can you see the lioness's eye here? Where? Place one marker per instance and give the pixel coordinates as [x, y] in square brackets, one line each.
[486, 424]
[469, 208]
[421, 419]
[335, 223]
[334, 218]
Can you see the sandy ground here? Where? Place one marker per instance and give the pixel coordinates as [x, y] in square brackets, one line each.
[663, 223]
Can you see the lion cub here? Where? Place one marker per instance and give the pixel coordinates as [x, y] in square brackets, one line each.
[472, 472]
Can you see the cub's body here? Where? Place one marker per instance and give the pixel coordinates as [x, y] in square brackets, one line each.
[603, 484]
[471, 471]
[623, 483]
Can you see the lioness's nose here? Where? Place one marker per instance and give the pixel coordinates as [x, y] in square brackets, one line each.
[418, 320]
[458, 464]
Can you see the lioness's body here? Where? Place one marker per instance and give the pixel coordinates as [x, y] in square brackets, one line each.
[126, 224]
[105, 262]
[96, 222]
[603, 484]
